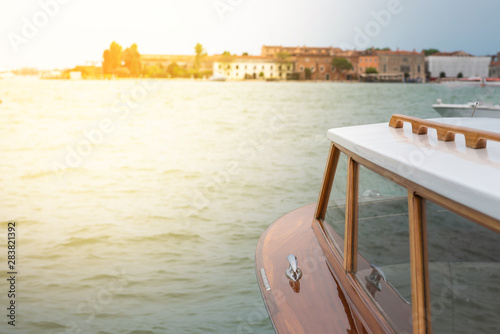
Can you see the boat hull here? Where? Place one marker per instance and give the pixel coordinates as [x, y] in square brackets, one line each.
[314, 304]
[453, 111]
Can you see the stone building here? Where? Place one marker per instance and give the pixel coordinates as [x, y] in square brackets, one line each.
[314, 63]
[272, 51]
[494, 68]
[408, 64]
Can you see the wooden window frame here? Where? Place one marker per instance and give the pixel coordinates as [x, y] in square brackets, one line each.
[417, 195]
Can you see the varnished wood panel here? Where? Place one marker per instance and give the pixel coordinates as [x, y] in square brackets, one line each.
[420, 290]
[473, 138]
[326, 188]
[362, 307]
[314, 305]
[351, 217]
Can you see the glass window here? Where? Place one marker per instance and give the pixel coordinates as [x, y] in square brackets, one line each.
[383, 266]
[335, 214]
[464, 271]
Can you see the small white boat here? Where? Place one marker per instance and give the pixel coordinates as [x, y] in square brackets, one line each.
[7, 75]
[467, 109]
[217, 77]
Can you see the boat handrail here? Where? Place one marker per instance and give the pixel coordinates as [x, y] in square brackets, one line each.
[446, 132]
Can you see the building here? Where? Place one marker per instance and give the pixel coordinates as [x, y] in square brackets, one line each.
[494, 68]
[272, 51]
[253, 67]
[187, 62]
[456, 64]
[368, 59]
[410, 65]
[313, 63]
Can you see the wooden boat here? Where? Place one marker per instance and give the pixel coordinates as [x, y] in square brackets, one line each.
[467, 109]
[405, 237]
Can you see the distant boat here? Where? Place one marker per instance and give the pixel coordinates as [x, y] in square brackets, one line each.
[217, 77]
[473, 82]
[7, 75]
[465, 110]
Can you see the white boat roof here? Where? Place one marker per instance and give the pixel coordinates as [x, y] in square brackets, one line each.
[465, 175]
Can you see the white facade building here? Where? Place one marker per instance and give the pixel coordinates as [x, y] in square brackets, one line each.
[458, 62]
[249, 67]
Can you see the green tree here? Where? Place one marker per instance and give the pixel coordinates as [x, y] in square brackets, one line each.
[155, 71]
[132, 60]
[200, 53]
[460, 75]
[244, 54]
[173, 69]
[283, 55]
[379, 49]
[112, 58]
[371, 70]
[341, 65]
[429, 52]
[442, 75]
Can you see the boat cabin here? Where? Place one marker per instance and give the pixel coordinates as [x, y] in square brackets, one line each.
[405, 237]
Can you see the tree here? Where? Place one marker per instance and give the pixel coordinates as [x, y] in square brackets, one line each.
[341, 65]
[200, 53]
[429, 52]
[154, 71]
[132, 60]
[226, 53]
[371, 70]
[442, 75]
[173, 69]
[379, 49]
[283, 55]
[460, 75]
[112, 58]
[244, 54]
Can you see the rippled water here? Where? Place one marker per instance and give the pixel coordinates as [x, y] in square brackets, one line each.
[149, 222]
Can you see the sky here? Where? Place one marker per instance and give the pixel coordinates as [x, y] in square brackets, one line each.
[50, 34]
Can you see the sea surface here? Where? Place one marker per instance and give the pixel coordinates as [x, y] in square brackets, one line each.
[139, 203]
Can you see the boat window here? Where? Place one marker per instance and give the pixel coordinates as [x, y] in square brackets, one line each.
[383, 262]
[335, 213]
[464, 271]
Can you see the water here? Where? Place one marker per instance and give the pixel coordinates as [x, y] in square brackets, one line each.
[149, 222]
